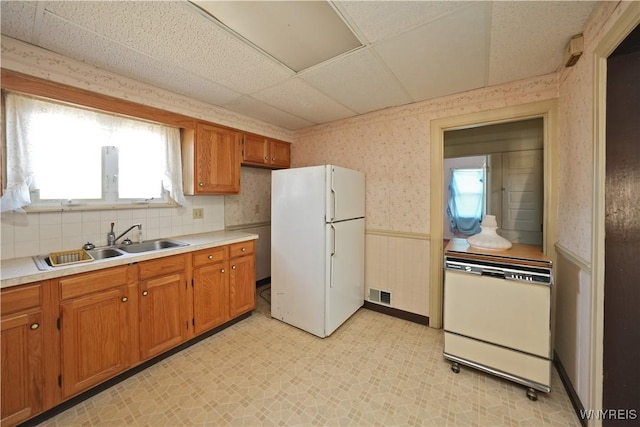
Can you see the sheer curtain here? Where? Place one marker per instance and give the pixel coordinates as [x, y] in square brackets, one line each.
[466, 200]
[63, 143]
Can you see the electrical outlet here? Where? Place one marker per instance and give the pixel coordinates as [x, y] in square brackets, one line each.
[198, 213]
[256, 209]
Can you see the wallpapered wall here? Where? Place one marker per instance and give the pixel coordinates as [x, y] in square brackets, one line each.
[392, 148]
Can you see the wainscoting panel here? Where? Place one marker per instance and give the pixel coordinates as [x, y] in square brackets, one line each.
[398, 263]
[573, 319]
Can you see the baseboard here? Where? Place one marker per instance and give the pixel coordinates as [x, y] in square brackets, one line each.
[401, 314]
[63, 406]
[263, 282]
[571, 392]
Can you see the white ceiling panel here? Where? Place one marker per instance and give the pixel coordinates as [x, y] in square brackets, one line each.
[18, 19]
[298, 98]
[413, 51]
[529, 38]
[350, 78]
[379, 20]
[95, 49]
[456, 43]
[253, 108]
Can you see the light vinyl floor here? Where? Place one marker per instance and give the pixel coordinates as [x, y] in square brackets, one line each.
[374, 370]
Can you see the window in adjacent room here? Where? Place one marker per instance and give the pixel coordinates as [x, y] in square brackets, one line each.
[60, 155]
[466, 201]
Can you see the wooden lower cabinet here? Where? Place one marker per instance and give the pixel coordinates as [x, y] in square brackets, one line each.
[22, 339]
[98, 326]
[210, 296]
[242, 285]
[164, 323]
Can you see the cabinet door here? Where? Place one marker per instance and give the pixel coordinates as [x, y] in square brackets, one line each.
[280, 153]
[22, 367]
[242, 285]
[210, 296]
[163, 322]
[95, 338]
[217, 162]
[255, 150]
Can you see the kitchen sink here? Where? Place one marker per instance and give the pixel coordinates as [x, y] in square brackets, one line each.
[104, 253]
[151, 245]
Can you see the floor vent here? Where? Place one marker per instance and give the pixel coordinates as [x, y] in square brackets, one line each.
[376, 295]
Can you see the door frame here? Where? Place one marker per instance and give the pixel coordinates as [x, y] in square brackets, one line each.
[548, 110]
[628, 20]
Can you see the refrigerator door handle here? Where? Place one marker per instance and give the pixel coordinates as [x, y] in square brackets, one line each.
[333, 253]
[333, 196]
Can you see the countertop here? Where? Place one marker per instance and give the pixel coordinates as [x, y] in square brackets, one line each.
[518, 252]
[18, 271]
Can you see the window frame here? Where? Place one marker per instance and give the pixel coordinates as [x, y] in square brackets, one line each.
[20, 83]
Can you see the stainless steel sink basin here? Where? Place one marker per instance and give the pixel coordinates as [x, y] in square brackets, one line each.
[103, 253]
[151, 245]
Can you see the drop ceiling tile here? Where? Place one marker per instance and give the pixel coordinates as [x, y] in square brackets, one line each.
[261, 111]
[100, 52]
[179, 34]
[455, 44]
[378, 20]
[298, 98]
[18, 18]
[349, 80]
[529, 38]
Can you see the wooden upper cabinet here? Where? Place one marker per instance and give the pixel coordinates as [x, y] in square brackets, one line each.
[210, 160]
[265, 152]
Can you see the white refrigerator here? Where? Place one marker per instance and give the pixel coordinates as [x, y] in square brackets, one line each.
[317, 246]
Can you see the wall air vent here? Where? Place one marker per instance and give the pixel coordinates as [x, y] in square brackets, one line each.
[382, 297]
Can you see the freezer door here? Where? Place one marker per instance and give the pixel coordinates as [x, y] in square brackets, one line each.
[345, 194]
[345, 272]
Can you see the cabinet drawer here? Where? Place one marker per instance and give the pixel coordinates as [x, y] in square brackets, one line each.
[209, 256]
[21, 298]
[162, 266]
[87, 283]
[240, 249]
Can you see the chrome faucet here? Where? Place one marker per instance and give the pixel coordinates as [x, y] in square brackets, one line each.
[111, 236]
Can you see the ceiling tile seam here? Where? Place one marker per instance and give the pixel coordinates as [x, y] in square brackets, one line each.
[351, 25]
[194, 8]
[37, 22]
[228, 104]
[176, 66]
[393, 75]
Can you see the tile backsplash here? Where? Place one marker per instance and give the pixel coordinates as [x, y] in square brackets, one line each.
[41, 233]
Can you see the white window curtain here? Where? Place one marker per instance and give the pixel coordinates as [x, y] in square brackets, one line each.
[37, 132]
[466, 197]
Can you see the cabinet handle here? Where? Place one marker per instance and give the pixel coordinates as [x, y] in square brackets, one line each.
[201, 184]
[243, 249]
[266, 158]
[125, 299]
[34, 326]
[145, 293]
[233, 267]
[273, 159]
[210, 257]
[222, 270]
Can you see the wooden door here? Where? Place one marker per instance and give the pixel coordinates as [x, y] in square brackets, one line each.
[22, 367]
[210, 296]
[217, 160]
[621, 380]
[280, 153]
[255, 150]
[163, 323]
[95, 331]
[242, 285]
[522, 200]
